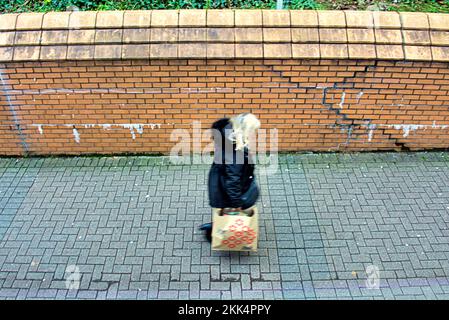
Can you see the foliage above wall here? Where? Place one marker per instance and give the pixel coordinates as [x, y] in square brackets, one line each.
[62, 5]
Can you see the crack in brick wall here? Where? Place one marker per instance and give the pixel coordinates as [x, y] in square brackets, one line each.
[343, 121]
[350, 124]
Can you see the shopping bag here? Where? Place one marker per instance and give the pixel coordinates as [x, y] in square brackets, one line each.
[238, 231]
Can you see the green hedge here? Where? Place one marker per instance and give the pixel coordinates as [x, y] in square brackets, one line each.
[62, 5]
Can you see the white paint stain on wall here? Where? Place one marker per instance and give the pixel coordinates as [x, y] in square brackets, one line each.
[133, 127]
[76, 135]
[342, 100]
[406, 128]
[12, 109]
[139, 128]
[434, 124]
[371, 128]
[158, 125]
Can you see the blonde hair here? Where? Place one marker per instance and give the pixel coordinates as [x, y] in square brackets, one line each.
[242, 126]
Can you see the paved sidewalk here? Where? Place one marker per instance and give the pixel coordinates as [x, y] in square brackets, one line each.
[128, 225]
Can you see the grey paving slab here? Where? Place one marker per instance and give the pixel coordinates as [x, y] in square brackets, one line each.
[125, 228]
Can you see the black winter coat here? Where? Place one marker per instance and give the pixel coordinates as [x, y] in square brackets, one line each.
[231, 178]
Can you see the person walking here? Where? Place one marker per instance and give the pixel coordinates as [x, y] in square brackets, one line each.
[232, 185]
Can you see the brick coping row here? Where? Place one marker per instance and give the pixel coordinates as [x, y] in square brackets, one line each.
[224, 34]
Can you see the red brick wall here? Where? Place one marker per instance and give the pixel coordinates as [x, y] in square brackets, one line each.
[318, 105]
